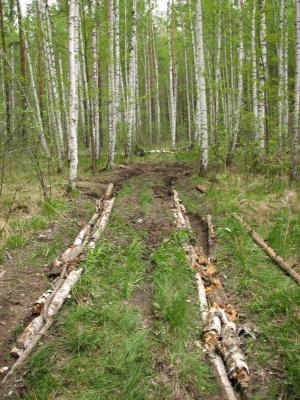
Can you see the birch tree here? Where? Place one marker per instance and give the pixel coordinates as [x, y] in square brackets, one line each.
[5, 73]
[200, 71]
[262, 70]
[73, 98]
[95, 136]
[112, 123]
[295, 138]
[172, 73]
[131, 88]
[283, 75]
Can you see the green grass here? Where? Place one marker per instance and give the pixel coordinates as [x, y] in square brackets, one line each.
[16, 240]
[271, 300]
[259, 288]
[102, 348]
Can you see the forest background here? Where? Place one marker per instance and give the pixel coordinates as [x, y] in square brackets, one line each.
[99, 77]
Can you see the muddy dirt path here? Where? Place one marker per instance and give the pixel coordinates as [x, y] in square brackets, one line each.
[23, 283]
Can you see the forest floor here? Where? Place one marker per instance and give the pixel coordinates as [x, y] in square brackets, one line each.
[143, 207]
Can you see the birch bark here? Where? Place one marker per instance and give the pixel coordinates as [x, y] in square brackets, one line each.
[172, 73]
[282, 76]
[95, 136]
[200, 71]
[5, 74]
[111, 87]
[295, 138]
[36, 102]
[131, 89]
[73, 98]
[239, 101]
[261, 132]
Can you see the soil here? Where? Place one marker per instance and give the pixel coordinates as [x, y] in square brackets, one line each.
[22, 281]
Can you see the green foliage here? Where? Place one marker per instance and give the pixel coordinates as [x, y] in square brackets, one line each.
[16, 240]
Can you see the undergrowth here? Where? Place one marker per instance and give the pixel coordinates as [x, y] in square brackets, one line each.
[263, 294]
[102, 347]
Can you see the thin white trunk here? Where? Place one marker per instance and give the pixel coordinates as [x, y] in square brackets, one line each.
[53, 96]
[36, 102]
[172, 74]
[260, 143]
[12, 89]
[63, 91]
[187, 85]
[111, 87]
[157, 103]
[95, 87]
[282, 76]
[202, 90]
[86, 98]
[295, 138]
[216, 118]
[118, 72]
[54, 82]
[254, 70]
[131, 88]
[196, 111]
[73, 98]
[239, 100]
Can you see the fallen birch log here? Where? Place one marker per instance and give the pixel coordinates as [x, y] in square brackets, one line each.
[225, 388]
[211, 234]
[271, 253]
[102, 222]
[39, 304]
[233, 356]
[53, 309]
[62, 293]
[50, 302]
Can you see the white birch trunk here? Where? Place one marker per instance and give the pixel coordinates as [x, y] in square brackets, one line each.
[254, 72]
[187, 84]
[295, 138]
[218, 78]
[196, 111]
[202, 89]
[95, 93]
[157, 103]
[54, 82]
[282, 76]
[260, 144]
[36, 102]
[73, 98]
[131, 88]
[172, 76]
[111, 88]
[118, 73]
[53, 98]
[86, 98]
[12, 89]
[239, 101]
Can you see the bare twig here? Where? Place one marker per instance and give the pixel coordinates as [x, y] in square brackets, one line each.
[12, 203]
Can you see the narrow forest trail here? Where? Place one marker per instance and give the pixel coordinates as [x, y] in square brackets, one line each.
[142, 218]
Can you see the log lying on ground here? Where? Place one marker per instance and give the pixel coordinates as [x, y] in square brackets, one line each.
[197, 259]
[53, 309]
[233, 356]
[211, 233]
[50, 302]
[62, 293]
[225, 388]
[102, 222]
[39, 304]
[271, 253]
